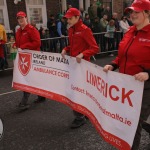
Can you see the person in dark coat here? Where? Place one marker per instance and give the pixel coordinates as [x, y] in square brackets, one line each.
[87, 21]
[51, 25]
[100, 11]
[96, 28]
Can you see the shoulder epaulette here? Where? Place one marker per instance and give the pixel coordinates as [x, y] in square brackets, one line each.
[84, 26]
[30, 26]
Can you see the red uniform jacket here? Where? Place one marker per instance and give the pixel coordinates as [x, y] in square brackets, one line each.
[134, 51]
[28, 38]
[81, 40]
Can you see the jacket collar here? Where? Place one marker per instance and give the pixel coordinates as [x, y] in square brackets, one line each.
[25, 28]
[145, 29]
[77, 25]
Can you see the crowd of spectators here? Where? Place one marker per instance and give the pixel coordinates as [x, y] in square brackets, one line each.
[105, 25]
[98, 21]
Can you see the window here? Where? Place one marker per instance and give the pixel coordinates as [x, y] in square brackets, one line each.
[36, 15]
[107, 3]
[4, 14]
[36, 11]
[35, 2]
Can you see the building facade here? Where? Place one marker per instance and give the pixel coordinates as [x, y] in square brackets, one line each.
[40, 10]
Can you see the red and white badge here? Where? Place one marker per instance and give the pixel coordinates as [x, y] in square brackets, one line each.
[24, 63]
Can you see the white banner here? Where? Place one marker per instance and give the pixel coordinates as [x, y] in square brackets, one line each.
[112, 101]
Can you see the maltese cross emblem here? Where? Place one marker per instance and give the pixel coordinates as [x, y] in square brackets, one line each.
[24, 63]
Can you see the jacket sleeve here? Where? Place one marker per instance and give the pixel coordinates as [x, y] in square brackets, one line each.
[2, 42]
[115, 63]
[35, 42]
[59, 28]
[67, 48]
[90, 40]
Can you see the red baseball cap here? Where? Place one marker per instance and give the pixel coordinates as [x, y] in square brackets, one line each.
[72, 12]
[21, 14]
[139, 5]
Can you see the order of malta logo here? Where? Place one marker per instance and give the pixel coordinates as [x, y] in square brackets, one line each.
[24, 63]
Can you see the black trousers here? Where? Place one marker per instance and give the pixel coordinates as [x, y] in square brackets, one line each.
[145, 112]
[26, 97]
[2, 62]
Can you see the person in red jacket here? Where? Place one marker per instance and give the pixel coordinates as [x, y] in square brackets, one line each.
[134, 56]
[82, 45]
[27, 37]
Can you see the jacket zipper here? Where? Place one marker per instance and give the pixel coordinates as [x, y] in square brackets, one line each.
[128, 50]
[72, 40]
[20, 38]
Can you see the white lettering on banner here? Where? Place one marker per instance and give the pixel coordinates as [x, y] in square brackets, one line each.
[110, 100]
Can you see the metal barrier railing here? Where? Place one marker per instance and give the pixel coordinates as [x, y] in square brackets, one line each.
[56, 44]
[106, 44]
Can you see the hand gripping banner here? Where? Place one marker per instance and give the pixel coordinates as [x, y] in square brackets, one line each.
[112, 101]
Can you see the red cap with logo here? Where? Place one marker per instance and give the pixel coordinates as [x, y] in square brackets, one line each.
[139, 5]
[21, 14]
[72, 12]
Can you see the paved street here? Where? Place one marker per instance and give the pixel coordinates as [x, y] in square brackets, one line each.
[46, 126]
